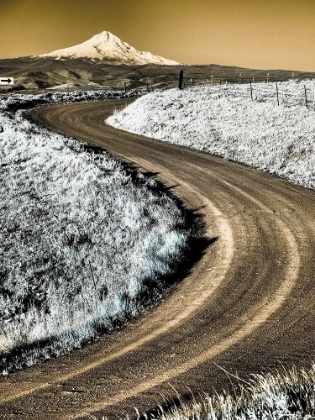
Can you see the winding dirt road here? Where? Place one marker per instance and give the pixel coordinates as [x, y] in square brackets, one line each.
[247, 306]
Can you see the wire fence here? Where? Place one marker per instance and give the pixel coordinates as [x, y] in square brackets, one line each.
[189, 82]
[283, 91]
[289, 93]
[257, 88]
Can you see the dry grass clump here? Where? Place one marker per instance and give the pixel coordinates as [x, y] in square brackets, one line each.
[286, 394]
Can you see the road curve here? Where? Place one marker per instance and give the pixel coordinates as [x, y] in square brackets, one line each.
[247, 306]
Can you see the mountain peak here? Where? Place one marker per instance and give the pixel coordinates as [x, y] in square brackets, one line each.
[107, 47]
[103, 37]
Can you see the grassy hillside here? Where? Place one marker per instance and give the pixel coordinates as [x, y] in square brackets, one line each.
[226, 121]
[85, 241]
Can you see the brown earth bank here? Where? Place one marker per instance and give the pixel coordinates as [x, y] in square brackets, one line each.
[247, 306]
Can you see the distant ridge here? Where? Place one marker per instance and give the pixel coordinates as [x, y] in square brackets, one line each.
[108, 48]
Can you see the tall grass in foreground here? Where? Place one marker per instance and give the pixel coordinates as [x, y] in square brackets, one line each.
[282, 395]
[85, 241]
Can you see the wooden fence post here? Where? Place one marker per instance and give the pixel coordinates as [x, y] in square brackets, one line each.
[277, 94]
[125, 87]
[305, 92]
[180, 82]
[251, 90]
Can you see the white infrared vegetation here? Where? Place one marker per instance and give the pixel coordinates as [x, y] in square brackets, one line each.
[224, 121]
[84, 241]
[278, 396]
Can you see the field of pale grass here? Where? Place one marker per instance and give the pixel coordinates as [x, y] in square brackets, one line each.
[224, 121]
[85, 241]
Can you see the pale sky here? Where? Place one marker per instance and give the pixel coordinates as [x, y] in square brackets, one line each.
[262, 34]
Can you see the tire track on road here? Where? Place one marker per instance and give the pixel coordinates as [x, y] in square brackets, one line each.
[243, 328]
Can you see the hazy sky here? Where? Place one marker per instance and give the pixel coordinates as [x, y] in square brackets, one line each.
[248, 33]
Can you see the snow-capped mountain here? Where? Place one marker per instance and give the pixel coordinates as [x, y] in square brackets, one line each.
[108, 47]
